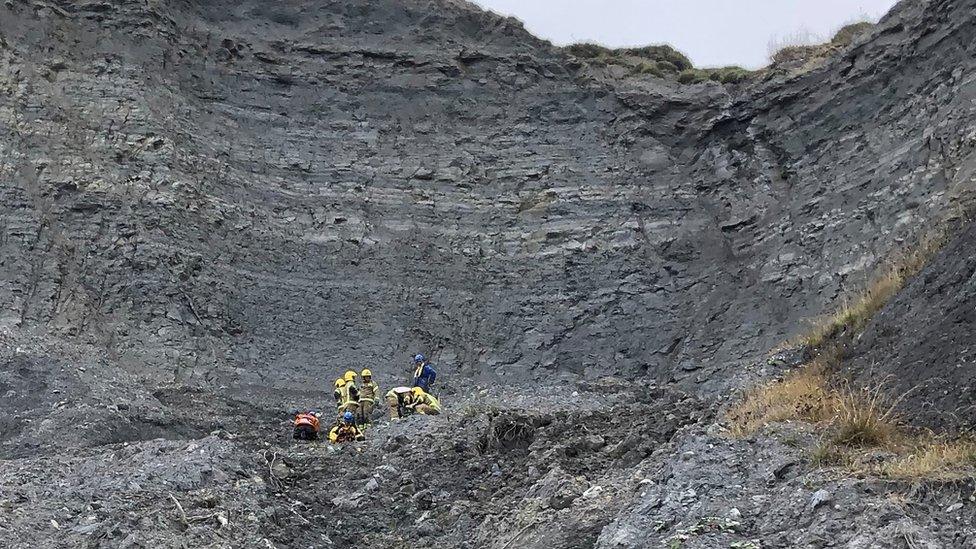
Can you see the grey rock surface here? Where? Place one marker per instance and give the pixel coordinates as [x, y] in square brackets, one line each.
[227, 193]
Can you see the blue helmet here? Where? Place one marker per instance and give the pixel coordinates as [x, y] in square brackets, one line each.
[347, 417]
[419, 358]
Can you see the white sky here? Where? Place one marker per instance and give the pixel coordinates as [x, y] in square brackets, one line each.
[710, 32]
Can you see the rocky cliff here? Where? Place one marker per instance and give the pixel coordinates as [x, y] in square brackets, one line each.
[224, 203]
[237, 191]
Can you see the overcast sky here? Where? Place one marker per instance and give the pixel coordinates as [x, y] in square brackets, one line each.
[711, 32]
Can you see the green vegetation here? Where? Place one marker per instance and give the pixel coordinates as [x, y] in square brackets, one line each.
[725, 75]
[666, 56]
[658, 61]
[803, 47]
[848, 33]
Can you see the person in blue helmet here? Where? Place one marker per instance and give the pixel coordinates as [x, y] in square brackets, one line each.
[423, 373]
[346, 430]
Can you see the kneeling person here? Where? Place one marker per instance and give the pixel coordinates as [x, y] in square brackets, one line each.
[346, 431]
[399, 400]
[425, 403]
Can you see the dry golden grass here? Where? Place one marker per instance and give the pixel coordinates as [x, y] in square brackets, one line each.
[856, 418]
[930, 458]
[803, 395]
[910, 457]
[798, 397]
[853, 420]
[864, 418]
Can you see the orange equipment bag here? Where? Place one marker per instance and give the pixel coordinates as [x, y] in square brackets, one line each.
[307, 419]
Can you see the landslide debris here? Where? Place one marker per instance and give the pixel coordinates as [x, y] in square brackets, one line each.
[549, 469]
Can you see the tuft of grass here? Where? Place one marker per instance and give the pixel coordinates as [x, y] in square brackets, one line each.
[797, 53]
[660, 61]
[830, 455]
[803, 46]
[854, 416]
[854, 419]
[909, 457]
[664, 56]
[692, 76]
[850, 32]
[864, 418]
[725, 75]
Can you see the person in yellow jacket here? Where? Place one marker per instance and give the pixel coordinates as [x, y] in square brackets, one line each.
[399, 400]
[349, 394]
[340, 396]
[424, 403]
[368, 391]
[346, 430]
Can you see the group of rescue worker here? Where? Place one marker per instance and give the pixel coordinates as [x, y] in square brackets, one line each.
[356, 400]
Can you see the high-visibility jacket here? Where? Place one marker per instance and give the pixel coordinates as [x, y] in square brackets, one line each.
[369, 391]
[346, 394]
[346, 433]
[403, 395]
[428, 400]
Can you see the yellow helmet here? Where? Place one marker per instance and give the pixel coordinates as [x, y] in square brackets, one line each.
[417, 391]
[350, 376]
[366, 373]
[340, 382]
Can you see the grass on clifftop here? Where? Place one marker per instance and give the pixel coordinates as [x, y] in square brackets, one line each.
[660, 61]
[802, 48]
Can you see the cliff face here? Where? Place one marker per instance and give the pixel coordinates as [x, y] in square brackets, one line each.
[235, 191]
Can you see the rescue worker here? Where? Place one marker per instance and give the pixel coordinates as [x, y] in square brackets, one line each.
[368, 391]
[423, 373]
[306, 426]
[424, 403]
[346, 430]
[350, 394]
[399, 400]
[340, 396]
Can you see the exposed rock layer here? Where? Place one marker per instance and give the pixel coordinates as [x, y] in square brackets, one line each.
[234, 191]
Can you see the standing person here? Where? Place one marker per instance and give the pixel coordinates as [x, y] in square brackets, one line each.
[350, 393]
[423, 373]
[368, 391]
[339, 394]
